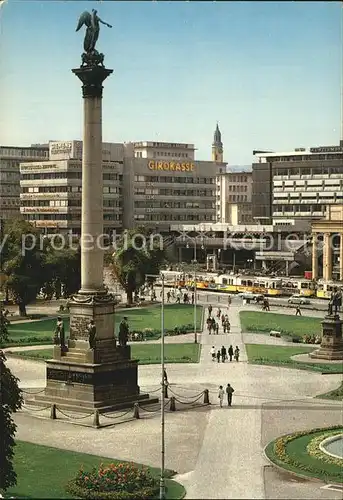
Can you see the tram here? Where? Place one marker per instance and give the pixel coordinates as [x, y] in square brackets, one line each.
[300, 286]
[325, 288]
[254, 284]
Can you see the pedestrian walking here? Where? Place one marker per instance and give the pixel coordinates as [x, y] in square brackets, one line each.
[236, 354]
[230, 352]
[217, 328]
[192, 298]
[223, 319]
[219, 313]
[223, 353]
[218, 355]
[168, 296]
[229, 301]
[213, 353]
[213, 325]
[221, 396]
[229, 391]
[298, 311]
[227, 325]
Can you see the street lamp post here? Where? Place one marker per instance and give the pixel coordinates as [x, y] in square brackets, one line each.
[162, 494]
[195, 289]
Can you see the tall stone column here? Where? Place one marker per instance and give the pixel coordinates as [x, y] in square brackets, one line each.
[92, 301]
[92, 180]
[327, 258]
[341, 257]
[314, 256]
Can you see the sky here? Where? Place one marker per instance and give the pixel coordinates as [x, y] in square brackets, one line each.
[269, 72]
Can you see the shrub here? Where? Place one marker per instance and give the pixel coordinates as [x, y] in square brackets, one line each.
[114, 481]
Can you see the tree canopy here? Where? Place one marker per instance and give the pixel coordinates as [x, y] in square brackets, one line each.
[11, 400]
[137, 254]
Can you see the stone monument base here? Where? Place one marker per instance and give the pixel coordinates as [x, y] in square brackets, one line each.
[87, 380]
[331, 347]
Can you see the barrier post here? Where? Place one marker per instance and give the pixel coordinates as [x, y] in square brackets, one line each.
[136, 410]
[53, 412]
[96, 422]
[206, 397]
[172, 404]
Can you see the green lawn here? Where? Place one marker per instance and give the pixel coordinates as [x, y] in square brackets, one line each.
[304, 463]
[43, 472]
[175, 315]
[264, 322]
[146, 353]
[262, 354]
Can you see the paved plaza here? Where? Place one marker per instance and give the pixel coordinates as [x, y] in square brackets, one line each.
[218, 453]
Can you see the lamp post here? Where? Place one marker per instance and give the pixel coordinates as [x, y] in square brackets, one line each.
[162, 494]
[195, 289]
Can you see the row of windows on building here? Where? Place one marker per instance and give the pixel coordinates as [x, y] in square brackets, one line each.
[174, 192]
[65, 203]
[238, 178]
[306, 157]
[300, 171]
[238, 197]
[23, 152]
[174, 179]
[67, 175]
[300, 208]
[69, 217]
[292, 197]
[208, 205]
[174, 217]
[68, 189]
[238, 189]
[158, 154]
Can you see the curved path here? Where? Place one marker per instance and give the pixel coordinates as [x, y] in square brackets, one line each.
[218, 452]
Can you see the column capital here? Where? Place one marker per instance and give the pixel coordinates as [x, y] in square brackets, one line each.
[92, 78]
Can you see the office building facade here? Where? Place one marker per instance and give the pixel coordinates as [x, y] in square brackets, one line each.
[234, 192]
[300, 185]
[10, 159]
[148, 183]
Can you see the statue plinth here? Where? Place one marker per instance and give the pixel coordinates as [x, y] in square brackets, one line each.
[331, 347]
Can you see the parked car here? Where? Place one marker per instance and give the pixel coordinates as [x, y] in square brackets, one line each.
[250, 296]
[298, 299]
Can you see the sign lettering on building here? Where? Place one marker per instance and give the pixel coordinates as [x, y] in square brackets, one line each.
[327, 149]
[171, 166]
[60, 147]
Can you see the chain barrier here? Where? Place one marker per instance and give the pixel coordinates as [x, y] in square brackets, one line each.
[153, 411]
[150, 392]
[189, 402]
[36, 409]
[117, 416]
[29, 392]
[183, 388]
[186, 397]
[74, 417]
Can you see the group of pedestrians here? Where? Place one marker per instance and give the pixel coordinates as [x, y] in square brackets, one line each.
[229, 391]
[213, 324]
[224, 355]
[180, 296]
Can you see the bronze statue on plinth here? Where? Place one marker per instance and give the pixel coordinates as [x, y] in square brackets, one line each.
[335, 302]
[91, 57]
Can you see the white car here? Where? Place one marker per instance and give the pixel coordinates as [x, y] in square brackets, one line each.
[298, 299]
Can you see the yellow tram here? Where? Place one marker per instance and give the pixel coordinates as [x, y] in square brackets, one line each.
[325, 288]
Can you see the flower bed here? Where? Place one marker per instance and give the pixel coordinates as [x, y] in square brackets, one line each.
[115, 481]
[277, 452]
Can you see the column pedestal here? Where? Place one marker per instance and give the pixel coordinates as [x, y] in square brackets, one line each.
[331, 347]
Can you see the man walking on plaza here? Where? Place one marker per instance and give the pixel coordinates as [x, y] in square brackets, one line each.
[229, 392]
[213, 353]
[230, 352]
[298, 311]
[221, 396]
[223, 353]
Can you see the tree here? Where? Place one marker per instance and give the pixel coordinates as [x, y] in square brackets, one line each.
[62, 272]
[11, 400]
[136, 256]
[4, 322]
[23, 262]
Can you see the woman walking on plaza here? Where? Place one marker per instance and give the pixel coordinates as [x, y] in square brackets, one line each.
[236, 354]
[221, 396]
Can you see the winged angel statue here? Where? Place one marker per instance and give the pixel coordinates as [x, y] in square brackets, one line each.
[92, 22]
